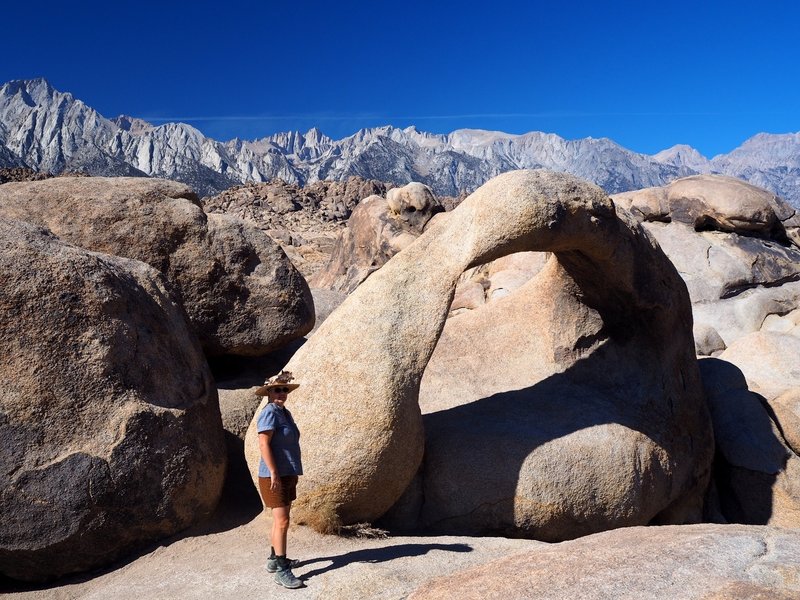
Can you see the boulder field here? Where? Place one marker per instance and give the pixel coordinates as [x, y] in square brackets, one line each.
[523, 366]
[109, 422]
[241, 293]
[609, 387]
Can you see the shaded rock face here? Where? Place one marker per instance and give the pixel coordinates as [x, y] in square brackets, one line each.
[377, 230]
[541, 420]
[753, 390]
[625, 346]
[698, 562]
[240, 292]
[109, 420]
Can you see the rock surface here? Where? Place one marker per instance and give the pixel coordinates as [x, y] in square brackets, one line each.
[109, 421]
[608, 276]
[223, 563]
[699, 562]
[496, 279]
[769, 360]
[749, 312]
[377, 230]
[241, 293]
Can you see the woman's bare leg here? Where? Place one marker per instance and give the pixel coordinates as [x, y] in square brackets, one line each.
[280, 529]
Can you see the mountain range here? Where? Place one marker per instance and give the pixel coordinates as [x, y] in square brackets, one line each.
[48, 130]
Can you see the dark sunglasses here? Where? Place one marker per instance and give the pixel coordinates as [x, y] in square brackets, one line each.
[280, 390]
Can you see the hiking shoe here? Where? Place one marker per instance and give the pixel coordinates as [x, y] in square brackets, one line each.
[272, 563]
[285, 577]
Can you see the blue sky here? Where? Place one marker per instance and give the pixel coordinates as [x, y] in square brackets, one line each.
[648, 75]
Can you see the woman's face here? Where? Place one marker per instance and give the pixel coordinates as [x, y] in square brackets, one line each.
[278, 394]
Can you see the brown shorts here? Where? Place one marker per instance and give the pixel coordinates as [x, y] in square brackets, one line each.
[284, 497]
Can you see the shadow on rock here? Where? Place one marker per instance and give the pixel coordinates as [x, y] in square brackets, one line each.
[574, 454]
[237, 372]
[750, 455]
[378, 555]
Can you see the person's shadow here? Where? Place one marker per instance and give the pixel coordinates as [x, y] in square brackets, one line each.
[376, 555]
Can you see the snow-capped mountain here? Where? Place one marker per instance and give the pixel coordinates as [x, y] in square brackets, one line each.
[52, 131]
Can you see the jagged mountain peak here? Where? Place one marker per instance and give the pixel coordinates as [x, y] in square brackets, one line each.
[36, 91]
[132, 125]
[682, 155]
[52, 131]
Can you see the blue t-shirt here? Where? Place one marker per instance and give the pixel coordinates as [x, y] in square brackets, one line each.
[285, 441]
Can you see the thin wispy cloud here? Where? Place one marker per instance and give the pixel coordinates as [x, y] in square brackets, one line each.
[366, 117]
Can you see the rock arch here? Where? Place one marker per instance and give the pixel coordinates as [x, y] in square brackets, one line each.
[361, 372]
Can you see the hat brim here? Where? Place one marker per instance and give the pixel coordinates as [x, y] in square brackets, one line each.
[262, 391]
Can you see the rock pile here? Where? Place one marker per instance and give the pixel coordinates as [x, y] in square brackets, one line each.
[109, 423]
[524, 365]
[735, 245]
[20, 174]
[738, 248]
[240, 292]
[305, 220]
[377, 230]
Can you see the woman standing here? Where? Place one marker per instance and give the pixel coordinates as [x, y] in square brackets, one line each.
[278, 470]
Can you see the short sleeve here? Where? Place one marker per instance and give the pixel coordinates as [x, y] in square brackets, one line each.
[266, 420]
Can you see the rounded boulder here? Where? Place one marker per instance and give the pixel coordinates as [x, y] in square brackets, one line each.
[241, 293]
[109, 419]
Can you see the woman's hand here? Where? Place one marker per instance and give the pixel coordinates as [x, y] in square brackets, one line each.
[275, 484]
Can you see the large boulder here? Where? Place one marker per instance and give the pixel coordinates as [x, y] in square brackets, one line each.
[697, 562]
[378, 229]
[240, 292]
[716, 202]
[109, 422]
[718, 265]
[622, 362]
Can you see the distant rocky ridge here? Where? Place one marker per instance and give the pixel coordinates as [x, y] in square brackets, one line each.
[48, 130]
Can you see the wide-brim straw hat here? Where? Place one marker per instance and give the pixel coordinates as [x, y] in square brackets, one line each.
[282, 379]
